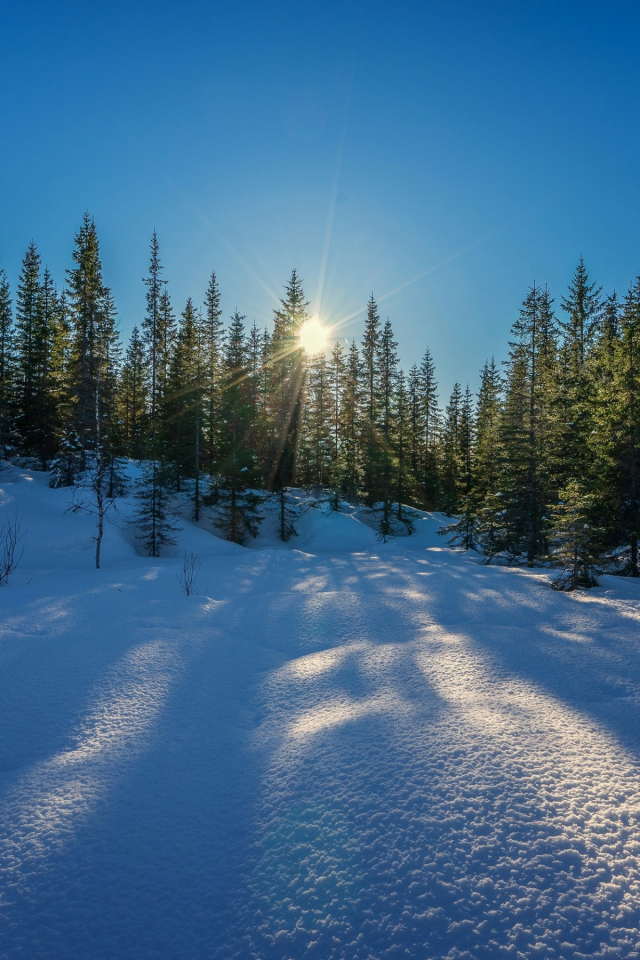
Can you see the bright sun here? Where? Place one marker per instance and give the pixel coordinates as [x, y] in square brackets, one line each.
[312, 336]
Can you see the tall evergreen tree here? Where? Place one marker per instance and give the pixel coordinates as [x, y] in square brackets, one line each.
[88, 303]
[153, 340]
[429, 416]
[575, 396]
[213, 349]
[183, 411]
[27, 347]
[371, 344]
[351, 471]
[286, 386]
[401, 441]
[317, 445]
[388, 372]
[6, 363]
[487, 500]
[526, 428]
[615, 443]
[452, 453]
[133, 397]
[238, 513]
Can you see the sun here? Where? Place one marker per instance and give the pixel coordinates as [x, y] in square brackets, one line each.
[312, 336]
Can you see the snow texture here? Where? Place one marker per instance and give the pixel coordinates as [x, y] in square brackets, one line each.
[340, 749]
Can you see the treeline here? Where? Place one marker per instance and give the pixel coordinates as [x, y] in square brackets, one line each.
[542, 465]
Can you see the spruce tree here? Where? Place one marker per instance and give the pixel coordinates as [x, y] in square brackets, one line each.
[317, 446]
[388, 374]
[487, 501]
[183, 406]
[88, 304]
[237, 506]
[6, 364]
[576, 539]
[28, 347]
[152, 518]
[286, 392]
[213, 348]
[615, 443]
[401, 442]
[526, 428]
[575, 394]
[351, 467]
[429, 418]
[133, 397]
[371, 342]
[453, 468]
[152, 337]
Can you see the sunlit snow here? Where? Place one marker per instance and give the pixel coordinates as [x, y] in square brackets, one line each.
[338, 749]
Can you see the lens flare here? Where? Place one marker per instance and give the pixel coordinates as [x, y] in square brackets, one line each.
[312, 336]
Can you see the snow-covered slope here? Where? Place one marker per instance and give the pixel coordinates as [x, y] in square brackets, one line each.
[340, 749]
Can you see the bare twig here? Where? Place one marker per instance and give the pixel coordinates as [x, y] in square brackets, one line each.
[11, 533]
[190, 569]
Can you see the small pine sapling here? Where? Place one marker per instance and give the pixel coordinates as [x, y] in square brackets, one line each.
[152, 518]
[576, 539]
[67, 466]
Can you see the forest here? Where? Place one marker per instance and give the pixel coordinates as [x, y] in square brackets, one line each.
[540, 467]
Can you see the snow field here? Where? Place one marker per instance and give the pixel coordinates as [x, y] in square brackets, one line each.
[341, 749]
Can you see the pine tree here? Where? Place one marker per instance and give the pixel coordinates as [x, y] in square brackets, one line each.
[416, 426]
[133, 397]
[576, 539]
[183, 407]
[67, 467]
[429, 417]
[152, 518]
[286, 388]
[28, 347]
[317, 444]
[152, 338]
[388, 372]
[401, 442]
[213, 375]
[615, 444]
[451, 458]
[92, 322]
[526, 427]
[238, 508]
[487, 501]
[256, 398]
[6, 364]
[351, 471]
[337, 370]
[371, 344]
[575, 394]
[45, 426]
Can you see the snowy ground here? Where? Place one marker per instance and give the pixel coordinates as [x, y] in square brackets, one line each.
[338, 750]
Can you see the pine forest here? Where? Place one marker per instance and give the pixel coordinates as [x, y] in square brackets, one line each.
[540, 467]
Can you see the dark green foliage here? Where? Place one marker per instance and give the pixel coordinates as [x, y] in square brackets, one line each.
[6, 364]
[576, 539]
[285, 387]
[68, 465]
[226, 413]
[238, 512]
[152, 519]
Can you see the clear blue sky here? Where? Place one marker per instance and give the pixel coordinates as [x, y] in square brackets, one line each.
[478, 146]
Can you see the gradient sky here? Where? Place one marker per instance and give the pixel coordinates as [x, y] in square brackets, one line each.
[471, 148]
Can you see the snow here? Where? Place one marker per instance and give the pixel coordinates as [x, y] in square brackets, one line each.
[341, 749]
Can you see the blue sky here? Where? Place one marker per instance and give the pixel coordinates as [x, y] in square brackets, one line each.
[475, 146]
